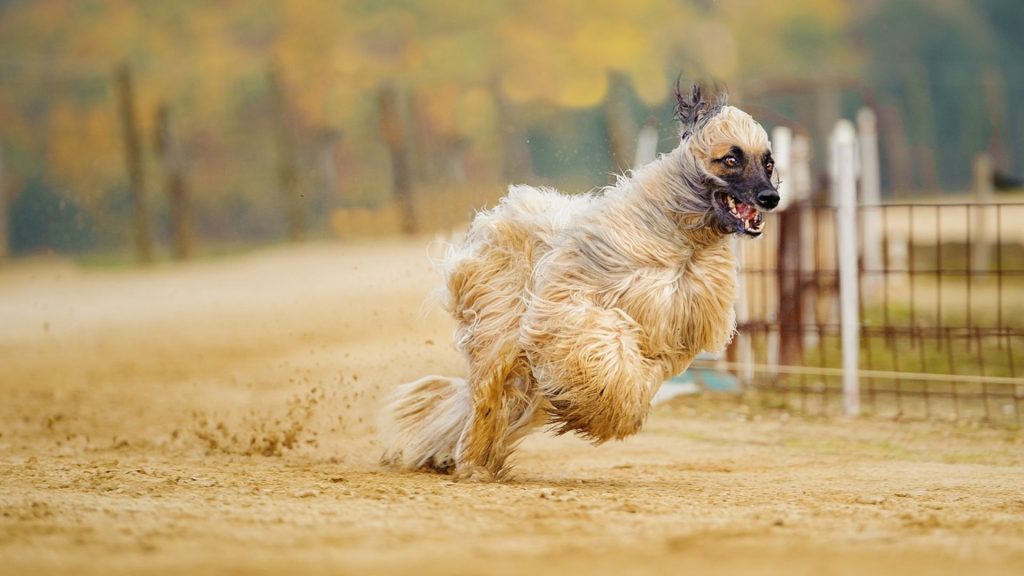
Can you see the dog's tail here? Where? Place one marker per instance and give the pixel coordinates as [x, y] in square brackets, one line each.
[426, 418]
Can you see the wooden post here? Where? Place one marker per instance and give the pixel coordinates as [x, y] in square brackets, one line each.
[619, 120]
[845, 190]
[133, 159]
[288, 171]
[168, 148]
[983, 222]
[788, 275]
[870, 195]
[4, 246]
[395, 138]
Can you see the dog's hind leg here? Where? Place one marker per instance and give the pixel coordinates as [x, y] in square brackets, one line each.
[505, 403]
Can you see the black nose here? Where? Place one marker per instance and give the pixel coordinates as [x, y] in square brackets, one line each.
[768, 198]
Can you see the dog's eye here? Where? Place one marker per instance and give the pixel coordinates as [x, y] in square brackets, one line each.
[731, 161]
[769, 167]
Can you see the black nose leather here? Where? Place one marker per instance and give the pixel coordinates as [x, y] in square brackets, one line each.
[768, 198]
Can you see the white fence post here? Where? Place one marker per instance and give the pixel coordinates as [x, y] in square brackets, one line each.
[845, 193]
[782, 147]
[870, 192]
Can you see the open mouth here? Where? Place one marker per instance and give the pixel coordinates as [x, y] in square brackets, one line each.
[749, 219]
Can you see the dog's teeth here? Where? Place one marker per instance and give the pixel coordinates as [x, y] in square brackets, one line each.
[732, 206]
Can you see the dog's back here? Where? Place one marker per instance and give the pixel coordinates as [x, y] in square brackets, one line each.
[489, 275]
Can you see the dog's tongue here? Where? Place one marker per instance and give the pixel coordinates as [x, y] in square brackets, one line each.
[746, 211]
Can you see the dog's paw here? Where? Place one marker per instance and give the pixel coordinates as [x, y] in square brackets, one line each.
[473, 474]
[391, 459]
[441, 463]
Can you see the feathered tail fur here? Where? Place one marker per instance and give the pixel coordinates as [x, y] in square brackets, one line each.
[427, 418]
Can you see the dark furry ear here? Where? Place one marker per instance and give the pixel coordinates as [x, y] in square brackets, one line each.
[694, 110]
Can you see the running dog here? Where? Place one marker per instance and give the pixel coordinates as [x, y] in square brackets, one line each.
[572, 310]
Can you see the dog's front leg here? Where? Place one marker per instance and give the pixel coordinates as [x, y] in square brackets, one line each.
[482, 449]
[590, 367]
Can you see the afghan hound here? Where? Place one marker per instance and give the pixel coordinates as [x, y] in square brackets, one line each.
[572, 310]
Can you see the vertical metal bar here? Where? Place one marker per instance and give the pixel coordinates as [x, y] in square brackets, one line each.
[896, 367]
[886, 264]
[912, 304]
[825, 291]
[767, 317]
[918, 334]
[999, 271]
[937, 269]
[938, 266]
[910, 267]
[981, 369]
[968, 270]
[867, 284]
[951, 369]
[1001, 323]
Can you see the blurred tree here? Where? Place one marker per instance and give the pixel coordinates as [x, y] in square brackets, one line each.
[394, 134]
[939, 64]
[42, 221]
[287, 162]
[133, 160]
[475, 78]
[4, 250]
[172, 160]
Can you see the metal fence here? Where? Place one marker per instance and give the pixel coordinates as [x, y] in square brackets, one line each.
[940, 314]
[913, 309]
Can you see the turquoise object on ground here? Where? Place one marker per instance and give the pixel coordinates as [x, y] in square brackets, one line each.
[695, 379]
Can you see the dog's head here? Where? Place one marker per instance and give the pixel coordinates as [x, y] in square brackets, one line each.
[727, 161]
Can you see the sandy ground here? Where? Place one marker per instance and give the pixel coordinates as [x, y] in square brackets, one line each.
[219, 417]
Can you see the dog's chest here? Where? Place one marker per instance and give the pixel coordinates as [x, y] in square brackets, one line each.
[684, 309]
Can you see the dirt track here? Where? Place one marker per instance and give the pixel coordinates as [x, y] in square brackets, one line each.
[219, 417]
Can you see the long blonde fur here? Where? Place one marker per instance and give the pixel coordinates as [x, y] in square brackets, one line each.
[571, 310]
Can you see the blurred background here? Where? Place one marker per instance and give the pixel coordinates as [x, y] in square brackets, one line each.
[151, 130]
[302, 156]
